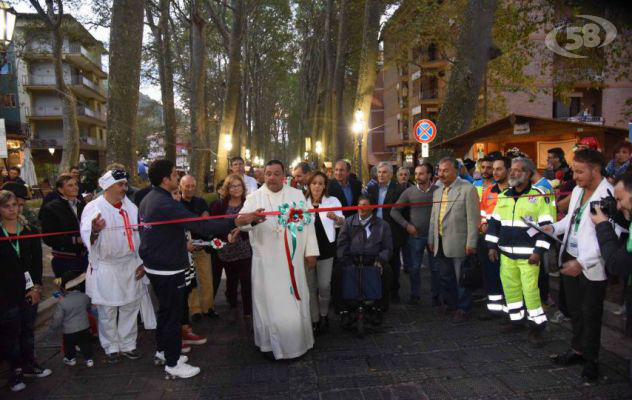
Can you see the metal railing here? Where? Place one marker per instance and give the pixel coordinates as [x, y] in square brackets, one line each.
[78, 79]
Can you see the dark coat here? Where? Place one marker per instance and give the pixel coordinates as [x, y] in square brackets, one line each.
[352, 241]
[57, 216]
[164, 247]
[613, 250]
[392, 195]
[12, 279]
[334, 189]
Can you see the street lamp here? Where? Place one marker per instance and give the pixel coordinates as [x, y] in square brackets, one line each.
[228, 144]
[51, 150]
[318, 148]
[248, 154]
[358, 129]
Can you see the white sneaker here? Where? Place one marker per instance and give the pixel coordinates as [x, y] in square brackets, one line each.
[182, 370]
[89, 363]
[159, 358]
[71, 362]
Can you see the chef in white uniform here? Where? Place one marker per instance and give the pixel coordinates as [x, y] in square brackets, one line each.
[280, 296]
[113, 277]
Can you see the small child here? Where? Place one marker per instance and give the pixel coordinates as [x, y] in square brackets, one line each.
[72, 315]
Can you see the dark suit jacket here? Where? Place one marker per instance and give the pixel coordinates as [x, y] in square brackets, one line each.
[334, 189]
[392, 194]
[57, 216]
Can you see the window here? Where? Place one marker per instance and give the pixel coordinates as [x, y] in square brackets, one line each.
[5, 68]
[8, 100]
[432, 52]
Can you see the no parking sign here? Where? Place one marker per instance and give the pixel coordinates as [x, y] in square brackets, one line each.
[425, 131]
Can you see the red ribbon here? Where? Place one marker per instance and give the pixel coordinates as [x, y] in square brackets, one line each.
[128, 229]
[290, 266]
[266, 213]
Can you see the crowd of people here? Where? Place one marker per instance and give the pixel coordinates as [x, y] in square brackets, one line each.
[497, 222]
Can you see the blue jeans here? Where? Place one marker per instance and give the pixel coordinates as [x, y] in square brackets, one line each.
[415, 248]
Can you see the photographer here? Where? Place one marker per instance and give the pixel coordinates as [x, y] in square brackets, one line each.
[616, 253]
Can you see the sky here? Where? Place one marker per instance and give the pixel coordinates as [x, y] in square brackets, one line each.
[100, 33]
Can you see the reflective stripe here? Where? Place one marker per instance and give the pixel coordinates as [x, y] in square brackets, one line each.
[514, 223]
[491, 238]
[542, 243]
[495, 307]
[516, 316]
[495, 297]
[505, 309]
[536, 312]
[517, 250]
[515, 306]
[545, 218]
[539, 320]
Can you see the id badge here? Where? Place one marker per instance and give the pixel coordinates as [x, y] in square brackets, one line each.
[29, 281]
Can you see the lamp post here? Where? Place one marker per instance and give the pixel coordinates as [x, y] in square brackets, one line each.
[318, 148]
[7, 25]
[358, 128]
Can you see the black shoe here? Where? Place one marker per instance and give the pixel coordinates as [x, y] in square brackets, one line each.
[590, 373]
[395, 298]
[17, 381]
[377, 317]
[112, 358]
[132, 355]
[535, 338]
[212, 314]
[316, 328]
[568, 358]
[36, 371]
[197, 317]
[324, 324]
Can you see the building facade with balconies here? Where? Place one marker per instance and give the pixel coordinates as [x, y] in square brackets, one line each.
[38, 106]
[417, 90]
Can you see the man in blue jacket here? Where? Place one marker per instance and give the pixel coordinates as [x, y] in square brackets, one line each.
[164, 251]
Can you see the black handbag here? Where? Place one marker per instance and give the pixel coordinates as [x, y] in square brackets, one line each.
[471, 273]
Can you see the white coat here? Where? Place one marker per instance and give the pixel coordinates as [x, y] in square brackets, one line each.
[110, 279]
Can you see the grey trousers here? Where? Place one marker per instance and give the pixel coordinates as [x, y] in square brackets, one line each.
[319, 284]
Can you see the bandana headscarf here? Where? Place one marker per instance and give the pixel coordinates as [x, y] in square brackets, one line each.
[111, 177]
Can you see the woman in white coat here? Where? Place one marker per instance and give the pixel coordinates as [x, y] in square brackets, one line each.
[325, 223]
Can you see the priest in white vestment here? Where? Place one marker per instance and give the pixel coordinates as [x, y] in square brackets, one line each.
[112, 279]
[281, 319]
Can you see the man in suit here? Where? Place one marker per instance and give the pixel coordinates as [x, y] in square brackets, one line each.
[388, 191]
[344, 188]
[60, 215]
[453, 235]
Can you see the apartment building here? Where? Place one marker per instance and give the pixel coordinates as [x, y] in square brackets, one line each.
[31, 104]
[417, 91]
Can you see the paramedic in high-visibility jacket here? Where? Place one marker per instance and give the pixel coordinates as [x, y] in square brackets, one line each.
[521, 247]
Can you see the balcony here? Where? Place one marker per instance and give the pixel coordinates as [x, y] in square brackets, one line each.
[586, 119]
[429, 94]
[74, 53]
[85, 143]
[54, 112]
[80, 85]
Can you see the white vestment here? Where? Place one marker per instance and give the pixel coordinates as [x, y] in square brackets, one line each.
[110, 279]
[282, 323]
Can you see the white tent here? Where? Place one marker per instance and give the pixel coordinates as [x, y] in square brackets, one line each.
[28, 169]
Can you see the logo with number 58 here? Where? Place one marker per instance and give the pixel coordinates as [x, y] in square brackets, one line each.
[587, 35]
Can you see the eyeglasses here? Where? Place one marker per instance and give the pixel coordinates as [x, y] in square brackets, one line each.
[119, 174]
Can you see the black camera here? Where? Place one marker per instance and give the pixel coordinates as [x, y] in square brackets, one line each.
[608, 205]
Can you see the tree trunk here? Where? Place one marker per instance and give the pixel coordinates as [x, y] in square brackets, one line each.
[233, 87]
[339, 81]
[367, 73]
[70, 154]
[166, 84]
[474, 50]
[126, 39]
[200, 154]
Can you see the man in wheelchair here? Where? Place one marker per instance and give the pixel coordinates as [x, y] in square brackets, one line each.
[364, 248]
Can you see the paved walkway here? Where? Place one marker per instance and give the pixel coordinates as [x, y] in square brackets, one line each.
[418, 355]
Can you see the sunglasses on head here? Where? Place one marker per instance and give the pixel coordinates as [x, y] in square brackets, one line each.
[119, 174]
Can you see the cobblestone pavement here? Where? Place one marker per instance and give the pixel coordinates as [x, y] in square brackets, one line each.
[416, 355]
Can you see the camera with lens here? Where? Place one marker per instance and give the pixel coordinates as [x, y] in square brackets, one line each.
[608, 205]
